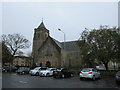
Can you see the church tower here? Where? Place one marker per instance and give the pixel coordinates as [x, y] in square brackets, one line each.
[40, 35]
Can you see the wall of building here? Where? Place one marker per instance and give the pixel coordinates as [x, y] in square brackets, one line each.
[113, 65]
[53, 55]
[40, 35]
[73, 59]
[20, 62]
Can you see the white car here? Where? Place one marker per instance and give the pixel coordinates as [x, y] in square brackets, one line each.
[36, 70]
[91, 73]
[48, 72]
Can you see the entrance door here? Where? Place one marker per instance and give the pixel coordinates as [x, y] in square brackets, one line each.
[48, 64]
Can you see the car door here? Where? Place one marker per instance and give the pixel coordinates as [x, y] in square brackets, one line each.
[97, 74]
[94, 73]
[65, 72]
[51, 71]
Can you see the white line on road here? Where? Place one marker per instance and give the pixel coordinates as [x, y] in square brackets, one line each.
[22, 82]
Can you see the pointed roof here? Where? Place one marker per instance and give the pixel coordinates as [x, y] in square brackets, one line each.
[70, 46]
[42, 25]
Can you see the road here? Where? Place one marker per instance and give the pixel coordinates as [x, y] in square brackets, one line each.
[26, 81]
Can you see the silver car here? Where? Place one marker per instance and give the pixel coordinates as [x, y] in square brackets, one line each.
[48, 72]
[36, 70]
[91, 73]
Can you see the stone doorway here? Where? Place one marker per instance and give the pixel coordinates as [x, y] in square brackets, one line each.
[48, 64]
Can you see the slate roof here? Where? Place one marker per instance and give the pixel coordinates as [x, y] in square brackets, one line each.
[58, 43]
[70, 46]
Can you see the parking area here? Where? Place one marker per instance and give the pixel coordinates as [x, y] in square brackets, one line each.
[12, 80]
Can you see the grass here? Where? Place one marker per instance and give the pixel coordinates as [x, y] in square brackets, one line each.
[108, 73]
[75, 71]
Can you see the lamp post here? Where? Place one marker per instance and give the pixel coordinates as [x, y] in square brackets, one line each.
[64, 37]
[64, 47]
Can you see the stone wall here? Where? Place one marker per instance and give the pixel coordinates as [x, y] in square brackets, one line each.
[20, 62]
[49, 52]
[70, 59]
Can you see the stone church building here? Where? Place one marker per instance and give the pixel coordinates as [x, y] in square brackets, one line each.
[49, 52]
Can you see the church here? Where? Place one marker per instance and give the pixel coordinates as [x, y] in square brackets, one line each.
[49, 52]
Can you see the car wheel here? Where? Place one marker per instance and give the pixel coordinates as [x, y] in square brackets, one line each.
[93, 78]
[23, 73]
[81, 78]
[47, 75]
[117, 82]
[63, 76]
[54, 76]
[37, 73]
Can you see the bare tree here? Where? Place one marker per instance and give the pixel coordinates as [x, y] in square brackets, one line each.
[15, 43]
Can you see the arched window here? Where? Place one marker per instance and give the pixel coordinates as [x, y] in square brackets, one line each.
[48, 52]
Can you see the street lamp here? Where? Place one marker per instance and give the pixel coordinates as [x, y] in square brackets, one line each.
[64, 37]
[64, 47]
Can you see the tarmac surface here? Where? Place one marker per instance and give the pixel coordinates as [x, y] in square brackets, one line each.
[12, 80]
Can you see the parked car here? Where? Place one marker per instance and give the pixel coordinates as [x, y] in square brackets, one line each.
[91, 73]
[117, 77]
[101, 67]
[5, 69]
[48, 72]
[62, 73]
[36, 70]
[9, 69]
[23, 70]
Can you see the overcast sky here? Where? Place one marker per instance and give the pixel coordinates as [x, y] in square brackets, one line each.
[72, 18]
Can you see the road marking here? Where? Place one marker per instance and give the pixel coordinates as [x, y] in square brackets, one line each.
[22, 82]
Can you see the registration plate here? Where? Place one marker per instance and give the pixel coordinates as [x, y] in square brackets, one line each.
[56, 72]
[85, 76]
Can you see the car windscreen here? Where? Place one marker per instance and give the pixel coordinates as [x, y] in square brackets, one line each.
[86, 70]
[36, 68]
[48, 69]
[23, 68]
[43, 68]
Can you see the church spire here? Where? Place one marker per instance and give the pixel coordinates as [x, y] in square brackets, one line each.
[42, 25]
